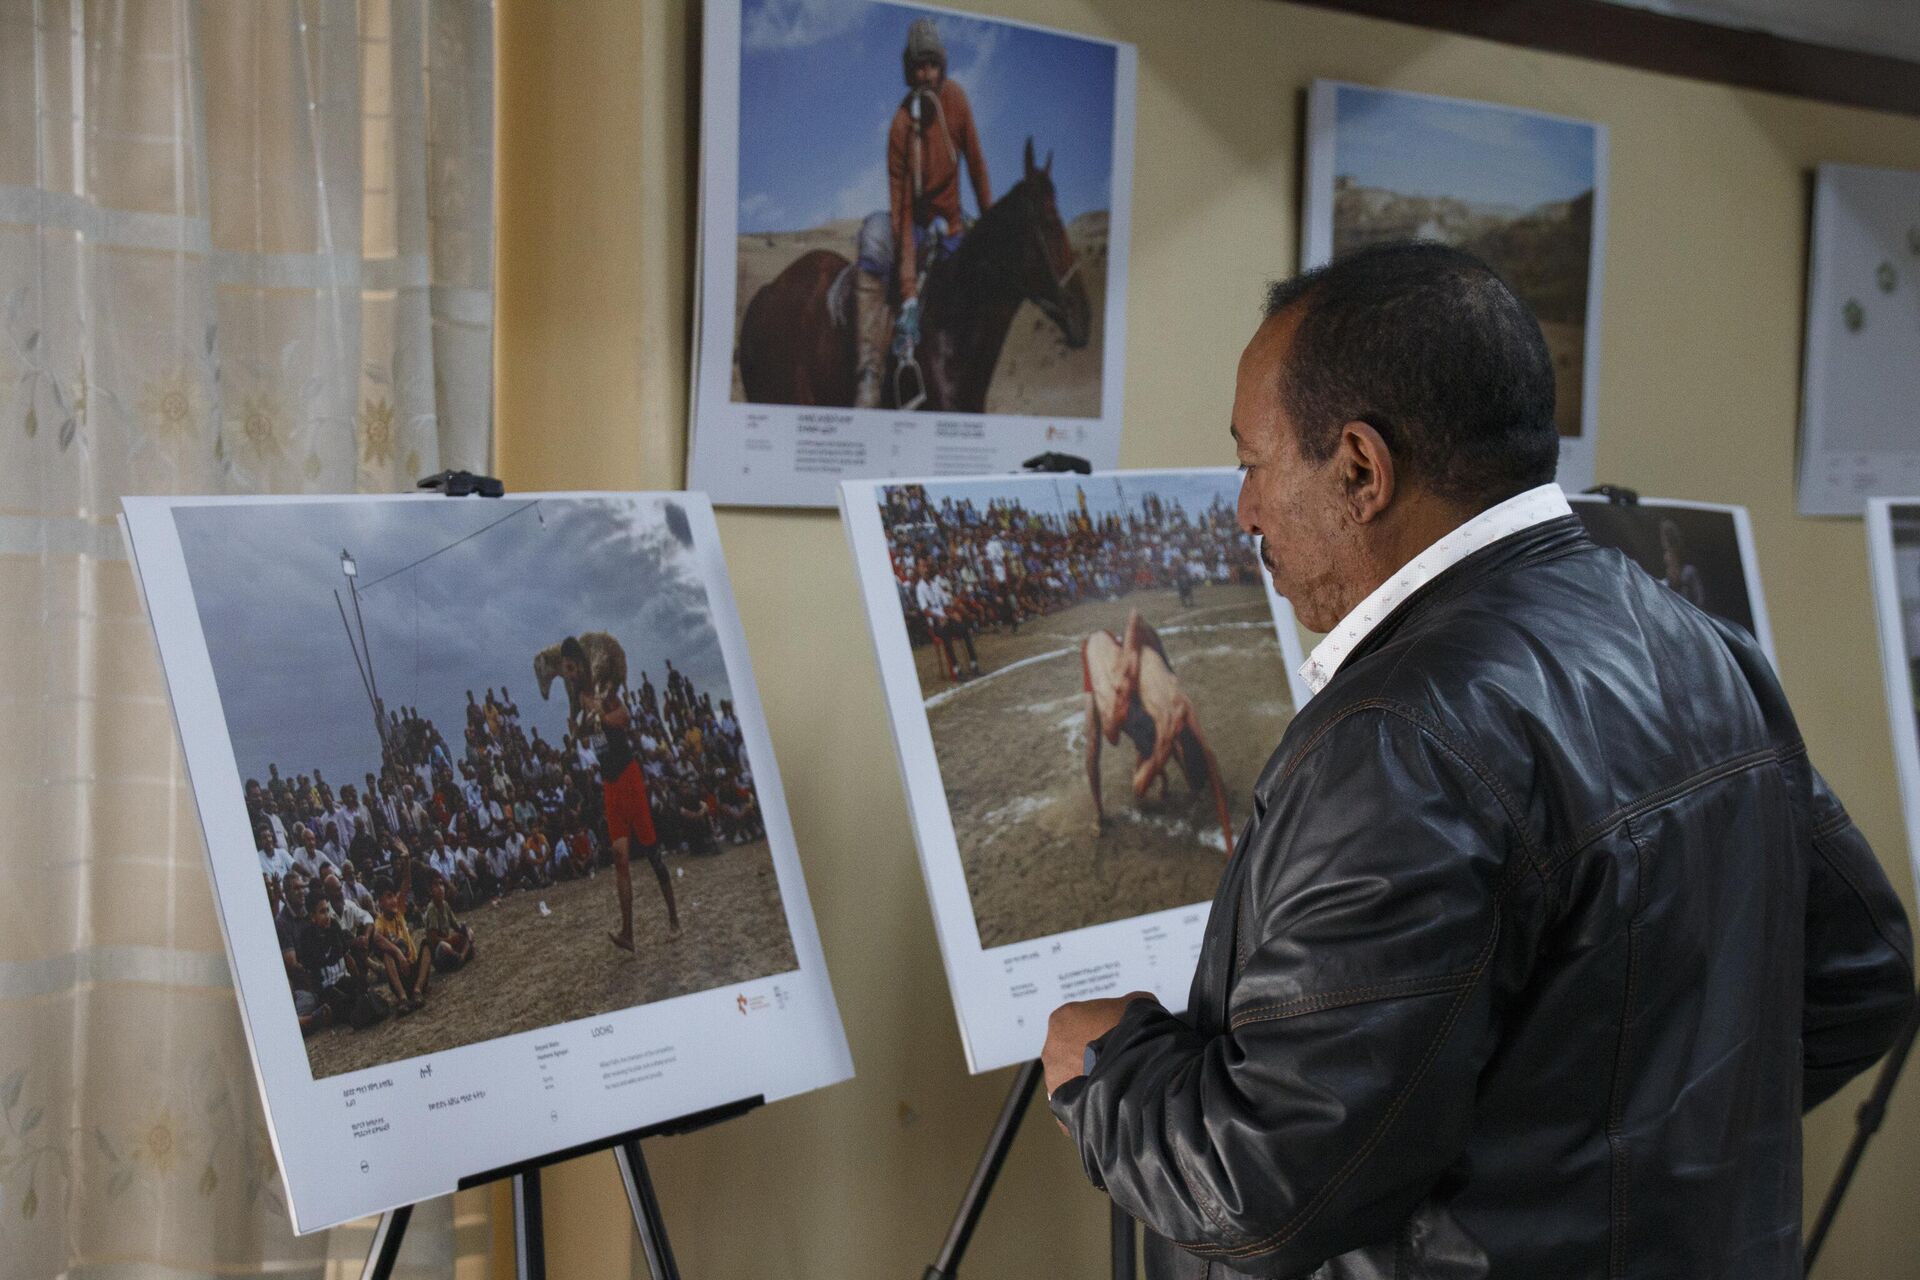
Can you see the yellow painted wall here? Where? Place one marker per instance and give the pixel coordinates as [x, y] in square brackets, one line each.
[1699, 379]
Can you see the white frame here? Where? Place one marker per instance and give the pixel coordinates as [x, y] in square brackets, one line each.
[996, 1028]
[1316, 240]
[794, 1042]
[1749, 559]
[1901, 719]
[718, 458]
[1829, 482]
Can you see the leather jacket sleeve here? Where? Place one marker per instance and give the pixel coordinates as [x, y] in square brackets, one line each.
[1358, 1019]
[1859, 955]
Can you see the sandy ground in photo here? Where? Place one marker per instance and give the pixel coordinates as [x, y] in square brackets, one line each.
[1011, 747]
[1567, 346]
[1036, 373]
[535, 971]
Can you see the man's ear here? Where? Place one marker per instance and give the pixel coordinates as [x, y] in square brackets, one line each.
[1367, 472]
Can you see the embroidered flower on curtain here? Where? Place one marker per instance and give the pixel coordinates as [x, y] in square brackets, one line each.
[172, 407]
[262, 425]
[376, 433]
[244, 248]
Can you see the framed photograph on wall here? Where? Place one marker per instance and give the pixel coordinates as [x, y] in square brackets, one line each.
[495, 833]
[1893, 552]
[1703, 550]
[1860, 394]
[913, 246]
[1523, 190]
[1085, 675]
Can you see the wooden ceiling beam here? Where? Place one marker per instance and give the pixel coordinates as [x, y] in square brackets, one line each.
[1640, 38]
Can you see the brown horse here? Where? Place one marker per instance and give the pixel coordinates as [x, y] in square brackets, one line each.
[793, 350]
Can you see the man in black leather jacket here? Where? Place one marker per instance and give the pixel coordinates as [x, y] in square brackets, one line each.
[1544, 930]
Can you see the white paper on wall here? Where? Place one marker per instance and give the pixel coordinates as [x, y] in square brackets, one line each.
[1860, 398]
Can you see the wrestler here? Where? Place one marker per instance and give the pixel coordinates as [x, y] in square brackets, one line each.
[1130, 688]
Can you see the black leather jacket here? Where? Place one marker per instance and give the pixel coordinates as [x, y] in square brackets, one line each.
[1541, 937]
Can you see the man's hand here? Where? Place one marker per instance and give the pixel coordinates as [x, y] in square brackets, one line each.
[1074, 1026]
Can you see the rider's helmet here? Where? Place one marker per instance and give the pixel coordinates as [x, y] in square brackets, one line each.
[923, 45]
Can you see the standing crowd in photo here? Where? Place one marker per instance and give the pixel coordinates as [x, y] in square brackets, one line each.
[370, 882]
[961, 569]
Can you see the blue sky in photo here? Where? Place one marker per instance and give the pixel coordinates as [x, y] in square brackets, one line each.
[264, 578]
[820, 81]
[1473, 151]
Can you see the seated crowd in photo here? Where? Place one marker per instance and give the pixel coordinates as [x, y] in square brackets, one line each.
[368, 883]
[960, 569]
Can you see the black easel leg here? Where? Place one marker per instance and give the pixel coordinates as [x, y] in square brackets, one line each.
[529, 1235]
[647, 1218]
[1121, 1230]
[1871, 1113]
[985, 1172]
[387, 1238]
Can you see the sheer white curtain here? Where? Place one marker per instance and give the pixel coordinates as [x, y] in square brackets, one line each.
[245, 246]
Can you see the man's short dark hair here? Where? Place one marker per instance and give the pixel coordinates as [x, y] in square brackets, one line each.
[1426, 344]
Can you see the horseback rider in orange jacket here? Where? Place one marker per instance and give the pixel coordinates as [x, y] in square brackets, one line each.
[932, 133]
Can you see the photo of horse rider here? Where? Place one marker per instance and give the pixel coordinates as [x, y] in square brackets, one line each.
[888, 291]
[931, 135]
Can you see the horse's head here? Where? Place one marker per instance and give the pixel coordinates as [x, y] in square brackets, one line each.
[1049, 272]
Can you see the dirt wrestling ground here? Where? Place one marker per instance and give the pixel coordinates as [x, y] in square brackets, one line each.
[1012, 744]
[535, 971]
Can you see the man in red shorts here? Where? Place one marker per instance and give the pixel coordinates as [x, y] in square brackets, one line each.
[629, 815]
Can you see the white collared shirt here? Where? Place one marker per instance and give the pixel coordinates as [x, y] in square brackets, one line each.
[1522, 511]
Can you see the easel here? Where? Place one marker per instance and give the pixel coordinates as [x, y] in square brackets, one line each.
[529, 1233]
[947, 1262]
[1866, 1124]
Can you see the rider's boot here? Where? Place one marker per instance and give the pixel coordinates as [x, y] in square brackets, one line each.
[872, 324]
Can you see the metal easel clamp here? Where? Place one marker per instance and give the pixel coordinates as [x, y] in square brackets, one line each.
[1058, 463]
[1618, 495]
[459, 484]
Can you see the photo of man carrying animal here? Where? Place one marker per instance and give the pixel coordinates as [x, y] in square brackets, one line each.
[458, 724]
[923, 211]
[595, 683]
[1101, 671]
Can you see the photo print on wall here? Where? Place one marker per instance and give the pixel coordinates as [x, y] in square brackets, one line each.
[1862, 365]
[1085, 675]
[495, 832]
[1702, 550]
[913, 246]
[1522, 190]
[1893, 553]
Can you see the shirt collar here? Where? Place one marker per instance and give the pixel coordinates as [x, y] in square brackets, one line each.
[1522, 511]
